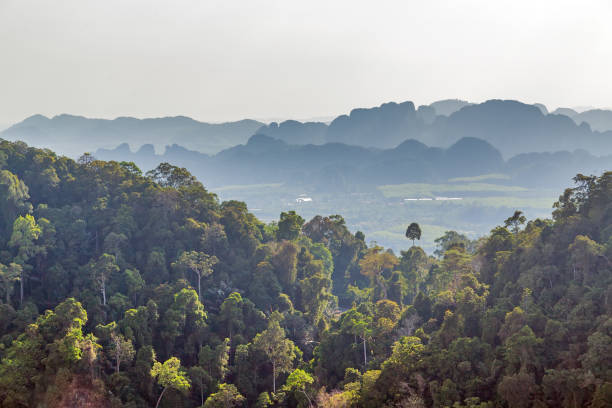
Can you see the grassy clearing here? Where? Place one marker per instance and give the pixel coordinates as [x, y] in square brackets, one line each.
[483, 177]
[246, 187]
[513, 202]
[431, 190]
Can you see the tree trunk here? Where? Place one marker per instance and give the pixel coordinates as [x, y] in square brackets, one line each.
[309, 402]
[21, 288]
[118, 363]
[103, 293]
[160, 397]
[199, 279]
[274, 378]
[365, 357]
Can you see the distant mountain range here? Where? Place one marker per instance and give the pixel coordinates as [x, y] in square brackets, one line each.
[511, 127]
[341, 167]
[598, 119]
[74, 135]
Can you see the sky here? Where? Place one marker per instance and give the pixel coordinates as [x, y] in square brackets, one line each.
[226, 60]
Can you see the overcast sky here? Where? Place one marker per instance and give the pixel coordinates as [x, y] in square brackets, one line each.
[226, 60]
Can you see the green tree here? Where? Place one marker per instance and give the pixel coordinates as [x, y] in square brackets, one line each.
[515, 221]
[227, 397]
[8, 276]
[167, 175]
[25, 232]
[413, 232]
[121, 349]
[199, 379]
[289, 226]
[518, 390]
[199, 263]
[170, 375]
[297, 382]
[456, 264]
[230, 314]
[279, 350]
[450, 239]
[14, 198]
[374, 263]
[584, 255]
[102, 270]
[359, 325]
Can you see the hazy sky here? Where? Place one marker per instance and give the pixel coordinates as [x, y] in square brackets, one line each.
[224, 60]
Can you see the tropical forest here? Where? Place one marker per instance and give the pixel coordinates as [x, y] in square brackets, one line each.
[124, 288]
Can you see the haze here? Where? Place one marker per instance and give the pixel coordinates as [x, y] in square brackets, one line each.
[220, 60]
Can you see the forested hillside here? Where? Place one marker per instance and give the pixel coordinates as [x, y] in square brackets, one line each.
[124, 289]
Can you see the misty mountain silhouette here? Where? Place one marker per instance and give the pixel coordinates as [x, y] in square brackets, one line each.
[598, 119]
[511, 126]
[341, 167]
[73, 135]
[447, 107]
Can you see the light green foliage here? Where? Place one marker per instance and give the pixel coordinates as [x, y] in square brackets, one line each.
[298, 382]
[279, 350]
[54, 342]
[289, 226]
[170, 375]
[450, 239]
[227, 397]
[515, 221]
[101, 271]
[121, 349]
[230, 314]
[25, 232]
[199, 263]
[14, 195]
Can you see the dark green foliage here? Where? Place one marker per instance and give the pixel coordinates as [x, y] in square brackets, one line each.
[413, 232]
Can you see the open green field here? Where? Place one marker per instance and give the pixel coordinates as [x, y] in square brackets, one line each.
[383, 215]
[248, 187]
[413, 190]
[483, 177]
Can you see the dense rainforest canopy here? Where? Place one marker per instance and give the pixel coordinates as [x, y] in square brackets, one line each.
[124, 289]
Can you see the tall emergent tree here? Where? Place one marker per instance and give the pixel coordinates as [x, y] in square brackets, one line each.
[8, 276]
[515, 221]
[25, 232]
[297, 382]
[13, 199]
[279, 350]
[413, 232]
[122, 349]
[199, 263]
[170, 375]
[102, 270]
